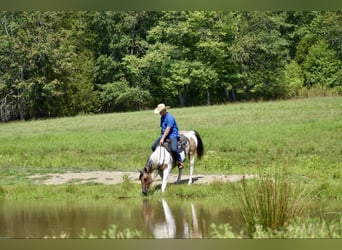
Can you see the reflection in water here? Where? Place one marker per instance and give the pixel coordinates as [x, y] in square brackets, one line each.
[165, 227]
[154, 219]
[195, 233]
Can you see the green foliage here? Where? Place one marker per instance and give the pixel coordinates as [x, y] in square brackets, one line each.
[322, 67]
[118, 96]
[104, 67]
[113, 233]
[259, 53]
[222, 231]
[293, 79]
[2, 192]
[47, 76]
[57, 63]
[300, 228]
[71, 188]
[177, 78]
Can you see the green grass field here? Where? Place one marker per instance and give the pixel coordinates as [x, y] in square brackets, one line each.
[300, 138]
[303, 135]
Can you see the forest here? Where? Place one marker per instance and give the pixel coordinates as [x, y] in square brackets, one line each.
[64, 63]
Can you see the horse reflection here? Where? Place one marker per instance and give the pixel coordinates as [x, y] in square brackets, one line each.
[165, 226]
[168, 228]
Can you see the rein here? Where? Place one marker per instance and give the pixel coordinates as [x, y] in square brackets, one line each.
[160, 156]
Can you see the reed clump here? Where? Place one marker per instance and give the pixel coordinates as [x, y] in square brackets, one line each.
[271, 201]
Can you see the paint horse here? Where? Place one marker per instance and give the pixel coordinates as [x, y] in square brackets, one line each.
[163, 161]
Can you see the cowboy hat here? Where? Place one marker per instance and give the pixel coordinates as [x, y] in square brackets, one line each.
[160, 108]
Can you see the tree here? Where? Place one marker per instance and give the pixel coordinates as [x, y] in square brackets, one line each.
[322, 66]
[118, 96]
[259, 53]
[177, 79]
[293, 79]
[47, 72]
[57, 63]
[204, 78]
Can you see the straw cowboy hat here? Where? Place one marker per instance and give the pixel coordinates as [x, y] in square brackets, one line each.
[160, 108]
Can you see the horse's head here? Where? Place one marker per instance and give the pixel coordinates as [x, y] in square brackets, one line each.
[146, 180]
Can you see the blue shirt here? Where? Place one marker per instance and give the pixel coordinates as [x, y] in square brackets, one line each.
[169, 121]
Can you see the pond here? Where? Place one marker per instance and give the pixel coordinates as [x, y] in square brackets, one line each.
[154, 218]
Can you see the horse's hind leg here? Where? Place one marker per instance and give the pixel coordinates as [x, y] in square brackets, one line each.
[192, 164]
[179, 176]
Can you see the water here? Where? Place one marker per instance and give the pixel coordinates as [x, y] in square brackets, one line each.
[155, 219]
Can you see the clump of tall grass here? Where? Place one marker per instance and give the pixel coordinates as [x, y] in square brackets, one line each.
[271, 201]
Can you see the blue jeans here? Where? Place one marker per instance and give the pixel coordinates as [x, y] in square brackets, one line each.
[174, 147]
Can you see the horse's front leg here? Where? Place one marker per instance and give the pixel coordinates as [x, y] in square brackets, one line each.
[166, 172]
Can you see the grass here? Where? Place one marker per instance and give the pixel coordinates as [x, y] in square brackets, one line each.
[301, 228]
[111, 233]
[305, 135]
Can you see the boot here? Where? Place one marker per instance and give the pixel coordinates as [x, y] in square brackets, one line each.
[180, 165]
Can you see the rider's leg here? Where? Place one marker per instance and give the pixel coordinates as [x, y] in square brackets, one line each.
[175, 151]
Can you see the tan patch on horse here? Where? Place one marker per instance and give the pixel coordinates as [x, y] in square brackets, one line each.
[163, 167]
[192, 149]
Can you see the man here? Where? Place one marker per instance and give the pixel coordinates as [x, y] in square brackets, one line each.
[169, 130]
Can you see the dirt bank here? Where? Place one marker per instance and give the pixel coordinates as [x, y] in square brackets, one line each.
[115, 177]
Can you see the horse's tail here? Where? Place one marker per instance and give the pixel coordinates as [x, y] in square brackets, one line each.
[200, 147]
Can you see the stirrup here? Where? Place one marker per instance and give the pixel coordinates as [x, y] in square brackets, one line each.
[180, 165]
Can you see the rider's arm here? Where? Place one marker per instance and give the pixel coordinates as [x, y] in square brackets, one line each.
[166, 132]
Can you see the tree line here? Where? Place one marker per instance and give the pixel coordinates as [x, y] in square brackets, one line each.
[58, 63]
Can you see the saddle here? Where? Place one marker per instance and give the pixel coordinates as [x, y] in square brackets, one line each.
[183, 143]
